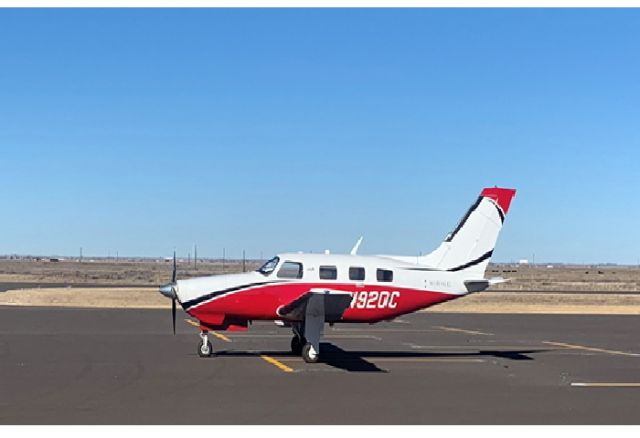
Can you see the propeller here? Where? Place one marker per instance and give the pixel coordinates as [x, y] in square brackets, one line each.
[169, 291]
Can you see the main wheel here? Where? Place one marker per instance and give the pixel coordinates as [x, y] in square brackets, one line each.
[296, 345]
[205, 350]
[309, 354]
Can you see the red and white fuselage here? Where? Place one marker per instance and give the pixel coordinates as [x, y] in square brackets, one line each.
[256, 295]
[355, 288]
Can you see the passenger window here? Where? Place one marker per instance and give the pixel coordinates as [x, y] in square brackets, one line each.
[290, 270]
[384, 275]
[356, 274]
[328, 273]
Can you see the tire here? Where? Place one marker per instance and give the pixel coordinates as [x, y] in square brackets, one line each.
[205, 351]
[308, 356]
[297, 344]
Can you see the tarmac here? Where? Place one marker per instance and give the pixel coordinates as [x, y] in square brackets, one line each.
[101, 366]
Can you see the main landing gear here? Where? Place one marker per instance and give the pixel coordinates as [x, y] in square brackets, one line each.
[300, 346]
[297, 343]
[205, 349]
[309, 354]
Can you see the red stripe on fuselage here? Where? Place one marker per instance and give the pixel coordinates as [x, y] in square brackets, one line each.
[261, 303]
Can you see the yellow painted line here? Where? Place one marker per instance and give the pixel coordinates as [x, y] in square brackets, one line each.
[608, 384]
[454, 329]
[216, 334]
[193, 323]
[220, 336]
[276, 363]
[597, 350]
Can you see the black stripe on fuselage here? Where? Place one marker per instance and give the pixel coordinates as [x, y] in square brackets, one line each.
[187, 304]
[480, 259]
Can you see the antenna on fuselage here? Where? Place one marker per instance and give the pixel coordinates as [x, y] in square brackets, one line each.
[354, 250]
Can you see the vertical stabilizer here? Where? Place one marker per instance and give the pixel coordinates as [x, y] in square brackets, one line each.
[470, 245]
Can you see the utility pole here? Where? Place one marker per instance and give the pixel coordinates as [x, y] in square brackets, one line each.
[244, 266]
[195, 255]
[223, 256]
[80, 254]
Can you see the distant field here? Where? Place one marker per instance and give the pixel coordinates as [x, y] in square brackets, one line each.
[151, 273]
[606, 279]
[111, 272]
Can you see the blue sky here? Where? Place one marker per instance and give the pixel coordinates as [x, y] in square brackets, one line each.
[139, 131]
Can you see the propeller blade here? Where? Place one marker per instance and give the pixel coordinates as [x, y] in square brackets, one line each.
[173, 276]
[173, 314]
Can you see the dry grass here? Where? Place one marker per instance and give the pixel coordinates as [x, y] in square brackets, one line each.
[114, 297]
[548, 302]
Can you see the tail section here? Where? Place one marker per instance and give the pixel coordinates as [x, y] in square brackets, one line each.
[470, 245]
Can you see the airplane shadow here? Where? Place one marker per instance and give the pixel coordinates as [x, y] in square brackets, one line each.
[354, 361]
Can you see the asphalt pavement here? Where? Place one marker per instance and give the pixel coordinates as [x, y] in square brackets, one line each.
[96, 366]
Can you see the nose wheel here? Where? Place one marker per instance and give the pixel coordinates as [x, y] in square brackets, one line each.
[205, 349]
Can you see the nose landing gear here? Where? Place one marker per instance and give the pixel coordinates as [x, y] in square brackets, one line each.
[205, 349]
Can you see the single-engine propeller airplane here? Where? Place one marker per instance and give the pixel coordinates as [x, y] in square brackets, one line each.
[305, 291]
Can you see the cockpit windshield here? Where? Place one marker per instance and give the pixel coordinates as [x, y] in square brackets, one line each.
[269, 266]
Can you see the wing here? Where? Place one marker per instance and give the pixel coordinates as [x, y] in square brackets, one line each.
[335, 303]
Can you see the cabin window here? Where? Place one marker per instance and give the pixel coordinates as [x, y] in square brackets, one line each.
[290, 270]
[328, 273]
[356, 273]
[384, 275]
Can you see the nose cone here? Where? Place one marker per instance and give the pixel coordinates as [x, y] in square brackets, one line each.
[168, 290]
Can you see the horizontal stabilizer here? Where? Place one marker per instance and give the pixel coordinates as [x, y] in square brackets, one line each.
[498, 280]
[480, 285]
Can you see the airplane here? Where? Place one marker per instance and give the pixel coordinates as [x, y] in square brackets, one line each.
[305, 290]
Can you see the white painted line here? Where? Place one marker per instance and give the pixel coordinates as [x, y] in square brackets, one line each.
[586, 348]
[459, 330]
[607, 384]
[473, 347]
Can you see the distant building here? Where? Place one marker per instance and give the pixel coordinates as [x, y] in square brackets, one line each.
[523, 262]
